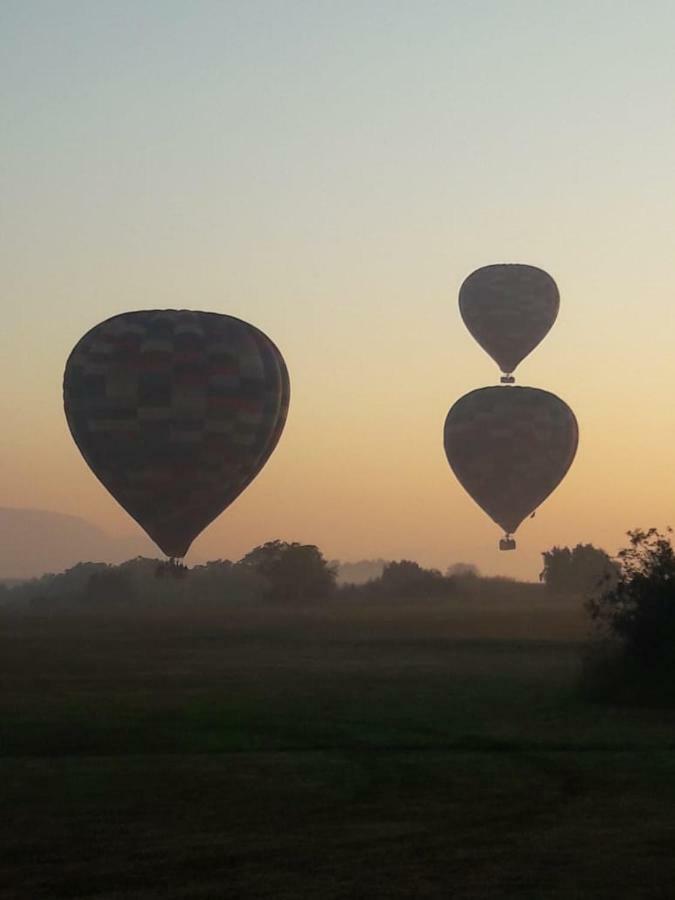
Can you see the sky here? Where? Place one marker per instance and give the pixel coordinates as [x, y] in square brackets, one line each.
[331, 172]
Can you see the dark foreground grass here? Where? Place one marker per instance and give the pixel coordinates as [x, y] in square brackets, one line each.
[395, 753]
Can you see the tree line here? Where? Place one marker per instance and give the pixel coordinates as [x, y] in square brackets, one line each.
[290, 573]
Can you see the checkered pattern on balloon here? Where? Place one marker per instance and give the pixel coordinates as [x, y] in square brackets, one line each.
[509, 446]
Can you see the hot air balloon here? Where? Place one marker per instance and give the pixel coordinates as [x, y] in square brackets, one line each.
[509, 448]
[175, 412]
[509, 309]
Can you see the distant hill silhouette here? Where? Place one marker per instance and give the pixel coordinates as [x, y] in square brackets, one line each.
[35, 541]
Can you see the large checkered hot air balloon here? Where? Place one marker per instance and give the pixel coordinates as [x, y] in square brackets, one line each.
[509, 448]
[509, 309]
[175, 412]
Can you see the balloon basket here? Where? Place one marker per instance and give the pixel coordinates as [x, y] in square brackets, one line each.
[507, 379]
[507, 543]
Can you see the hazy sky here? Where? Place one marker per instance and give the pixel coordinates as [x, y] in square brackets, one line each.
[331, 172]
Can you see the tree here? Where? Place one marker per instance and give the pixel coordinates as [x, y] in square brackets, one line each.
[294, 572]
[632, 658]
[584, 569]
[408, 579]
[639, 610]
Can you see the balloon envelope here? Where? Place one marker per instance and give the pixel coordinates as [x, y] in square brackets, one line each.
[175, 412]
[509, 448]
[509, 308]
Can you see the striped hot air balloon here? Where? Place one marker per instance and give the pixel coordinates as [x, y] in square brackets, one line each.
[175, 412]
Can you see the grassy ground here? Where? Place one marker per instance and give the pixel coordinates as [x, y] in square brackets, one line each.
[408, 752]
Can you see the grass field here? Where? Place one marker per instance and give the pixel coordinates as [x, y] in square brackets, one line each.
[437, 751]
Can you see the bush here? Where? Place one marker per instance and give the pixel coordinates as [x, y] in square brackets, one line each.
[633, 657]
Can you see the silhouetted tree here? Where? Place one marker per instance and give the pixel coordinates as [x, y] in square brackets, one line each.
[54, 591]
[408, 579]
[639, 609]
[294, 572]
[632, 659]
[582, 570]
[135, 583]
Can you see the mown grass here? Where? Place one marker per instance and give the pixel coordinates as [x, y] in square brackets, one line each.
[423, 752]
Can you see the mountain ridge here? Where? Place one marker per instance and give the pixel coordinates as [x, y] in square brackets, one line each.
[36, 541]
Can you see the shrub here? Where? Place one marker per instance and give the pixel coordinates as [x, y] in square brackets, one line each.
[633, 657]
